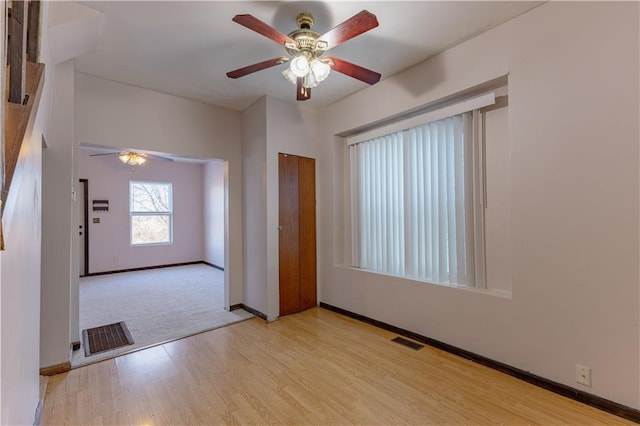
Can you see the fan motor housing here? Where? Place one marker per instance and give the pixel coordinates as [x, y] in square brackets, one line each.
[304, 36]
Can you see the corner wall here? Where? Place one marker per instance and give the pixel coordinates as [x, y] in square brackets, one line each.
[270, 126]
[58, 208]
[254, 157]
[574, 198]
[214, 195]
[291, 129]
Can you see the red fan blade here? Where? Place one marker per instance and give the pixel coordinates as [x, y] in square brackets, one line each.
[352, 27]
[260, 27]
[241, 72]
[355, 71]
[302, 93]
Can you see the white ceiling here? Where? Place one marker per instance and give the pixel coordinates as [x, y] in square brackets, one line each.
[185, 48]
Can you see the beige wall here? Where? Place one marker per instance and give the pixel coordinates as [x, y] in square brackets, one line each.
[117, 115]
[573, 130]
[20, 268]
[270, 126]
[58, 213]
[214, 212]
[291, 129]
[254, 156]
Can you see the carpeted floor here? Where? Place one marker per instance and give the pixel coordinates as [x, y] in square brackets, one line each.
[157, 305]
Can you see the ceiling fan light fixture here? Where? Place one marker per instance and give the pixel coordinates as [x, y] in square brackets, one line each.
[310, 81]
[299, 66]
[132, 159]
[289, 75]
[306, 47]
[320, 70]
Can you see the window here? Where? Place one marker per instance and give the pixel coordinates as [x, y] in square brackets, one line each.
[416, 204]
[151, 207]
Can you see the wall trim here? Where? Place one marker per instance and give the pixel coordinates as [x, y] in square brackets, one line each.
[213, 265]
[145, 268]
[249, 309]
[564, 390]
[52, 370]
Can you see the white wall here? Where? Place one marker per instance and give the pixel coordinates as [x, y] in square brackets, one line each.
[20, 280]
[254, 156]
[291, 129]
[109, 241]
[497, 214]
[20, 269]
[270, 126]
[574, 198]
[64, 39]
[214, 195]
[59, 209]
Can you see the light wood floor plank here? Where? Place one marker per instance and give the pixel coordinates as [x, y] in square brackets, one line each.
[316, 367]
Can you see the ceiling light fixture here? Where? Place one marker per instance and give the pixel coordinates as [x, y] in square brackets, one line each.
[307, 66]
[313, 72]
[132, 158]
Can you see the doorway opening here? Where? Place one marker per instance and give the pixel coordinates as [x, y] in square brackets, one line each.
[162, 291]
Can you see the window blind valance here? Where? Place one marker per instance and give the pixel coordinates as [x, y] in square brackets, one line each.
[439, 114]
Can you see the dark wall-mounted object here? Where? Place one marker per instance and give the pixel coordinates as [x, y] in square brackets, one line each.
[100, 205]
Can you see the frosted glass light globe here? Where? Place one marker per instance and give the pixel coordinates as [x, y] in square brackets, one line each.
[299, 66]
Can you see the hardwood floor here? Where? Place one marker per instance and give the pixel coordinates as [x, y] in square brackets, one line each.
[315, 367]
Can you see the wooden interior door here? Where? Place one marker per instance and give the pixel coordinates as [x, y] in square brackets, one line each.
[297, 235]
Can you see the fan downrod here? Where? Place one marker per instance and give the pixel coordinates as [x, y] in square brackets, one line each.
[304, 21]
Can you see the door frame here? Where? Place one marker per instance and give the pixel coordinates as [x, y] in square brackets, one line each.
[84, 187]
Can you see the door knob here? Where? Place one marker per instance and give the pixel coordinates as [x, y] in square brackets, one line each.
[279, 227]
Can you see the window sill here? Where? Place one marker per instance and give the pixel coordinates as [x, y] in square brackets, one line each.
[504, 294]
[152, 244]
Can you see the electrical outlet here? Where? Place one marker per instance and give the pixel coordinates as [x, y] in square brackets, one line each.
[583, 375]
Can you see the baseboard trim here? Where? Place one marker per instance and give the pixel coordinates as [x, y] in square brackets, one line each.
[564, 390]
[248, 309]
[213, 265]
[236, 307]
[52, 370]
[144, 268]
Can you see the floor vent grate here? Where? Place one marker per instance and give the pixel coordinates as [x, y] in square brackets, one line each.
[107, 337]
[408, 343]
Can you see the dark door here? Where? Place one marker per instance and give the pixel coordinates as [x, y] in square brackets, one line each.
[297, 236]
[83, 214]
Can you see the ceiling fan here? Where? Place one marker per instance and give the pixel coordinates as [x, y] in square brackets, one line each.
[133, 158]
[306, 48]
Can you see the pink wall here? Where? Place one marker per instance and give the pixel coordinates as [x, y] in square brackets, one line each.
[214, 190]
[109, 246]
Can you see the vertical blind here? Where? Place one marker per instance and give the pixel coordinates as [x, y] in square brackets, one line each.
[412, 202]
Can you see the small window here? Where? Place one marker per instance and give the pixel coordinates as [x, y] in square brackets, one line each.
[151, 207]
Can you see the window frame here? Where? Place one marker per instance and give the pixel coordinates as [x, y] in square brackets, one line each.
[472, 105]
[133, 213]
